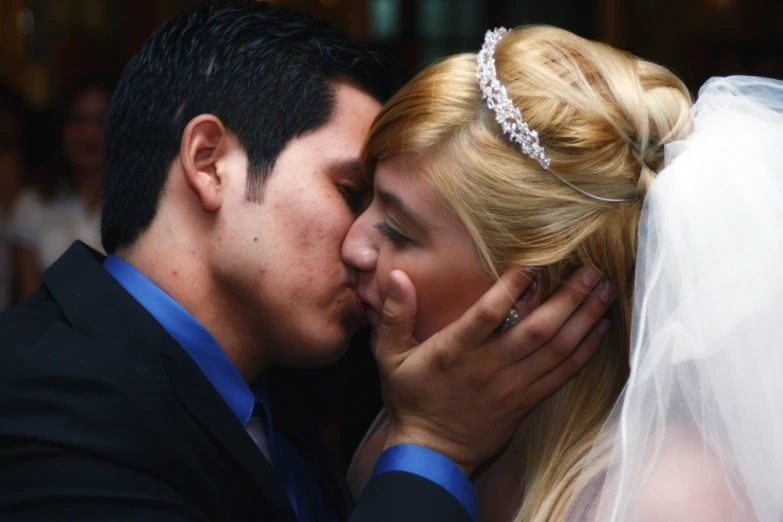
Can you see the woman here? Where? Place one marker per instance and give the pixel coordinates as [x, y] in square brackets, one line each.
[66, 204]
[538, 152]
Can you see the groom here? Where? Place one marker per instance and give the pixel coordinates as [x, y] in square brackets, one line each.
[139, 386]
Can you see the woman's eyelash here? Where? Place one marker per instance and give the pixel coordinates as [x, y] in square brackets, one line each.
[391, 234]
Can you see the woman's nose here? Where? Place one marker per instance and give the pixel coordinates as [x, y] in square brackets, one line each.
[359, 249]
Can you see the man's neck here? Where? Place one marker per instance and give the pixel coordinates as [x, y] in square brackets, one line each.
[180, 274]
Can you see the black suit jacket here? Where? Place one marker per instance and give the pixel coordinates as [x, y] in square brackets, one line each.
[103, 416]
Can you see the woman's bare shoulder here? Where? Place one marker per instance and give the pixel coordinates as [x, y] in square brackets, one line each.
[688, 482]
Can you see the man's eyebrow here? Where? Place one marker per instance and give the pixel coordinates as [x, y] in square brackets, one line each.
[351, 164]
[352, 168]
[392, 199]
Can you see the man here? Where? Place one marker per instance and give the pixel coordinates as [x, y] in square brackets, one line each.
[138, 387]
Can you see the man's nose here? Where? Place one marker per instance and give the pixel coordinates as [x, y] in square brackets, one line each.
[359, 248]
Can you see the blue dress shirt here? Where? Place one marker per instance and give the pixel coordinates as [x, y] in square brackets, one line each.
[301, 486]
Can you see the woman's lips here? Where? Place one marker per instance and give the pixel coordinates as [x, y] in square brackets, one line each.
[370, 312]
[360, 307]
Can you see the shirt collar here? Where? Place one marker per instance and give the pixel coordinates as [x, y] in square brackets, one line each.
[194, 339]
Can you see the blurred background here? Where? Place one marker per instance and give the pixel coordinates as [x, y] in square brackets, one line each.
[47, 45]
[60, 58]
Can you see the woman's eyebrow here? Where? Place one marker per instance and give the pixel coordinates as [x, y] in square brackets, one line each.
[392, 199]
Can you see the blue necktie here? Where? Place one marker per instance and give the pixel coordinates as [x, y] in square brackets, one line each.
[300, 485]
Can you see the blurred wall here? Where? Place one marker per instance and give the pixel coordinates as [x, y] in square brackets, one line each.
[45, 45]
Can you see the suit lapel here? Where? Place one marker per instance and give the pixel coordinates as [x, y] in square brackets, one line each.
[101, 310]
[208, 408]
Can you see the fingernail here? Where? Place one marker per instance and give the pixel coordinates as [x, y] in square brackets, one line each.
[531, 291]
[394, 286]
[606, 292]
[590, 278]
[603, 328]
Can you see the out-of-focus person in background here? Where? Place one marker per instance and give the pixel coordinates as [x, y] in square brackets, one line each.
[13, 114]
[64, 204]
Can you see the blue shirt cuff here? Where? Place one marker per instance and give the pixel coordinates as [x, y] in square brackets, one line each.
[433, 466]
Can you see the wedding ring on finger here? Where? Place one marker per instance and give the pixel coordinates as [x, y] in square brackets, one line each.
[511, 319]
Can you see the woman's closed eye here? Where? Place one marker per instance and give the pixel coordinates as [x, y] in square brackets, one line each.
[392, 234]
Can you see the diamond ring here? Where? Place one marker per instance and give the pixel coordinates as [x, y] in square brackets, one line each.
[511, 319]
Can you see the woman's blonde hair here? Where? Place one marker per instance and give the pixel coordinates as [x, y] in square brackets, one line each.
[603, 117]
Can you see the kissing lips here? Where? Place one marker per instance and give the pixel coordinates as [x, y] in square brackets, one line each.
[359, 307]
[373, 316]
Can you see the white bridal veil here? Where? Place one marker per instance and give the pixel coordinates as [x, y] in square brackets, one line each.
[697, 435]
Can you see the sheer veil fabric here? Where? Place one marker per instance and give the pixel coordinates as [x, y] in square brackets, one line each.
[697, 434]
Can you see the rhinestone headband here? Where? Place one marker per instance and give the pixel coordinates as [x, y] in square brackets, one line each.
[508, 116]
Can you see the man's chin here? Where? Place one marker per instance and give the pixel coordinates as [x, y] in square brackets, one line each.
[316, 357]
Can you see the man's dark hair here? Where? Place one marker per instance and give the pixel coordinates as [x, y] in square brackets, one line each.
[267, 72]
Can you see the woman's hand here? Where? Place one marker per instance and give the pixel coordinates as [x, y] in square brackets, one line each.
[465, 390]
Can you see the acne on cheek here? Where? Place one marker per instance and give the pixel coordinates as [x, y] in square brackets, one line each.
[312, 232]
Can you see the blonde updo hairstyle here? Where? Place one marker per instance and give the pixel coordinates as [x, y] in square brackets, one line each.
[603, 117]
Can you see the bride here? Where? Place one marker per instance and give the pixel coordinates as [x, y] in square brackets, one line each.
[551, 152]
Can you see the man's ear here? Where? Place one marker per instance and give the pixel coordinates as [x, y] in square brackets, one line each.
[204, 141]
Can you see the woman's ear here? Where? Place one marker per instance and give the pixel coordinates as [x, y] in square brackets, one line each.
[204, 142]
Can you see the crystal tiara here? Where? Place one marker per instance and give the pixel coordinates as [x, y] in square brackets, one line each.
[508, 116]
